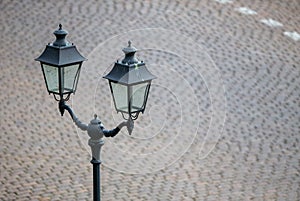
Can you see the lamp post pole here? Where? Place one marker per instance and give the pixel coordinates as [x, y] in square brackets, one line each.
[96, 179]
[96, 145]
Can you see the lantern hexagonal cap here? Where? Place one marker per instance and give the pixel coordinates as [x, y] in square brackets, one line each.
[129, 54]
[60, 52]
[60, 35]
[130, 71]
[129, 49]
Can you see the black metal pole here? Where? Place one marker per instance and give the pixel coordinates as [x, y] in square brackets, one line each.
[96, 179]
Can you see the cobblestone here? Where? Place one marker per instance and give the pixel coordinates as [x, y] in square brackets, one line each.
[171, 155]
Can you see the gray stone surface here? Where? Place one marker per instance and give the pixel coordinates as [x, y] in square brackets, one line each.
[222, 121]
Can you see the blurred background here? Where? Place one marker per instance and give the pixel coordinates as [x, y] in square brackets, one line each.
[222, 119]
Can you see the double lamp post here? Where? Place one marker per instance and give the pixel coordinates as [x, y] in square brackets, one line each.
[129, 82]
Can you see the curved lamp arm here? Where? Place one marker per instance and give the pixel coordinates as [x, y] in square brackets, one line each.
[107, 133]
[112, 133]
[63, 106]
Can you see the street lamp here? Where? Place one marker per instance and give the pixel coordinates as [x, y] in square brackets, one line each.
[129, 82]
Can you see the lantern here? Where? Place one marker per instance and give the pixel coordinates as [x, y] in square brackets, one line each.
[130, 82]
[61, 63]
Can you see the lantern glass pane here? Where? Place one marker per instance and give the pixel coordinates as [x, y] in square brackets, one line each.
[139, 96]
[51, 78]
[70, 78]
[120, 96]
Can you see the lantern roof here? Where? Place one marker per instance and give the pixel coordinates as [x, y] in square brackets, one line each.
[60, 52]
[130, 70]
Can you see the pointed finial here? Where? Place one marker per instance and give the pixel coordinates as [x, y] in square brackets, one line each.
[129, 54]
[60, 35]
[95, 116]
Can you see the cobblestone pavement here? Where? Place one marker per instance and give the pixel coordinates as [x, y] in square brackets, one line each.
[217, 61]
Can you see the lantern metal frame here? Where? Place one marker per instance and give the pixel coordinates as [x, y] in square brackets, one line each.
[133, 115]
[60, 78]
